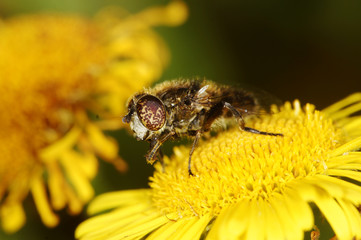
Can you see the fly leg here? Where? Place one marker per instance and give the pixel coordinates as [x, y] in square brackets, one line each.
[241, 123]
[155, 153]
[202, 123]
[155, 150]
[195, 142]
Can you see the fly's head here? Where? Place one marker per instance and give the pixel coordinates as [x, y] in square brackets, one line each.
[146, 116]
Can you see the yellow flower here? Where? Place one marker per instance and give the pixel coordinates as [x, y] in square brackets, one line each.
[54, 71]
[248, 186]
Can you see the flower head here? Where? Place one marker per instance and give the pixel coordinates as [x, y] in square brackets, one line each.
[54, 71]
[249, 186]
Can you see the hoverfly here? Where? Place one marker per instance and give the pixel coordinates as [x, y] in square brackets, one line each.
[180, 108]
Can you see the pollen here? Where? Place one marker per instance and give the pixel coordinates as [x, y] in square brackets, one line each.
[249, 186]
[237, 165]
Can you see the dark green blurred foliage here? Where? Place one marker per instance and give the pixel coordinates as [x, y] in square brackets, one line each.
[308, 50]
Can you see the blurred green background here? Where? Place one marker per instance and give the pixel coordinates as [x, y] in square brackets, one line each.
[310, 50]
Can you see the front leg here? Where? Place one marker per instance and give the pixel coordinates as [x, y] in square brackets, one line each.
[155, 145]
[158, 155]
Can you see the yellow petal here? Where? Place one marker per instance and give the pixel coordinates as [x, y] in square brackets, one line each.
[335, 108]
[195, 231]
[111, 221]
[56, 185]
[187, 230]
[88, 164]
[233, 222]
[106, 147]
[12, 217]
[273, 227]
[140, 228]
[335, 216]
[299, 209]
[110, 200]
[78, 179]
[344, 160]
[74, 203]
[349, 146]
[179, 230]
[42, 204]
[288, 224]
[353, 216]
[336, 187]
[353, 126]
[174, 14]
[349, 166]
[166, 230]
[256, 218]
[65, 143]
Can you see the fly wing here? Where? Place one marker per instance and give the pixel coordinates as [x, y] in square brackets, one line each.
[208, 95]
[265, 100]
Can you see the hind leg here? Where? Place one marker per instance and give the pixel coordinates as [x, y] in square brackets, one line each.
[241, 123]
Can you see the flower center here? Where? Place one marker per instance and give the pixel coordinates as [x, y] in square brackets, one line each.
[237, 165]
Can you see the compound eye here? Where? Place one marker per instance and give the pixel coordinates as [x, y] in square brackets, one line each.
[151, 112]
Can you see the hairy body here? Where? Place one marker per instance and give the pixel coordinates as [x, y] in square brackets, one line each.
[180, 108]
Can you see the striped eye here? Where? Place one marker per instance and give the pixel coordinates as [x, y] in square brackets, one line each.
[151, 112]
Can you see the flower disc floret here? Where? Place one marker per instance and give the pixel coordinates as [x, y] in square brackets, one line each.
[237, 165]
[249, 186]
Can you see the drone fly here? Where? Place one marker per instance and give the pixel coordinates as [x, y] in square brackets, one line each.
[180, 108]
